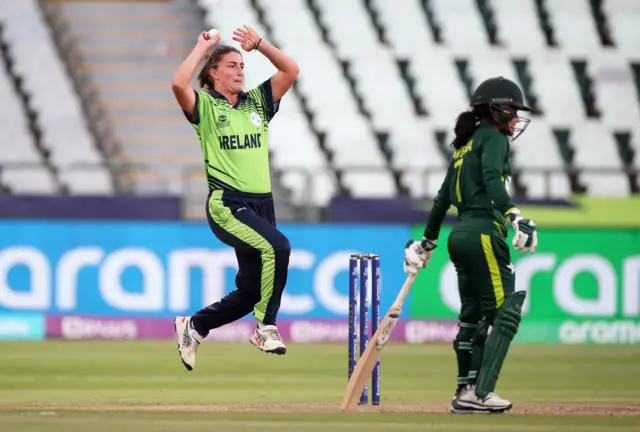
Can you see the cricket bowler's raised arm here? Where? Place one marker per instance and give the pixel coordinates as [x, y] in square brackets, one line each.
[181, 82]
[493, 159]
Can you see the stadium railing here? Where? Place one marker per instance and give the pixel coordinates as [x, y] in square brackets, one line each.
[189, 183]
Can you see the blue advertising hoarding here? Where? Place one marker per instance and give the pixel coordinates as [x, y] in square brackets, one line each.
[163, 269]
[22, 326]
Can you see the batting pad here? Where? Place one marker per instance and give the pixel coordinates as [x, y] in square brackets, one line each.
[498, 342]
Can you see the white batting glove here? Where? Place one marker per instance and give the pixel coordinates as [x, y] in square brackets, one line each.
[417, 255]
[525, 238]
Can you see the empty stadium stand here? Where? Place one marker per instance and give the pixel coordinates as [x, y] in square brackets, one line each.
[371, 114]
[129, 51]
[20, 157]
[59, 131]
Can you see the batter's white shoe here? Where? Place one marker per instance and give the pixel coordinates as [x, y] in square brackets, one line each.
[188, 341]
[458, 409]
[267, 339]
[492, 403]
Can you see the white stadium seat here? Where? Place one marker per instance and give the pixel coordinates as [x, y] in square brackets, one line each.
[377, 184]
[613, 86]
[415, 146]
[349, 29]
[624, 16]
[20, 163]
[536, 151]
[518, 28]
[399, 17]
[389, 103]
[575, 28]
[417, 157]
[462, 26]
[492, 63]
[557, 87]
[354, 146]
[290, 143]
[438, 84]
[315, 187]
[596, 149]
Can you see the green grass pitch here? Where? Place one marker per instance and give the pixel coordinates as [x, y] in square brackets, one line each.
[120, 386]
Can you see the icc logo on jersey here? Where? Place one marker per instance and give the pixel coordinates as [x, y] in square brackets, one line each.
[255, 119]
[222, 122]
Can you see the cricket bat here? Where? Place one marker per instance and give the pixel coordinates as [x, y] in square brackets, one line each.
[368, 359]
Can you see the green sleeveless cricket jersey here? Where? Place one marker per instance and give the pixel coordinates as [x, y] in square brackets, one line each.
[234, 139]
[475, 184]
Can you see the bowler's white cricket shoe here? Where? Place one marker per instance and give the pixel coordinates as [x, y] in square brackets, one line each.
[267, 338]
[492, 403]
[188, 341]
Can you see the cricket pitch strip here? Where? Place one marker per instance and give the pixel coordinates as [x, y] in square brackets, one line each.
[525, 408]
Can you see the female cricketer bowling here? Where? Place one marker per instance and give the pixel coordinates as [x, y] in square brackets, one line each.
[233, 130]
[476, 184]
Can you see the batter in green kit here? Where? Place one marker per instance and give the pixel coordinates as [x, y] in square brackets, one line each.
[232, 127]
[476, 184]
[481, 227]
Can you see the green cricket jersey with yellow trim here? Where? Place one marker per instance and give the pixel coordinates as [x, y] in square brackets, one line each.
[235, 139]
[475, 184]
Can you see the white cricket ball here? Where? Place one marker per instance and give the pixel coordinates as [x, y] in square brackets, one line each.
[213, 33]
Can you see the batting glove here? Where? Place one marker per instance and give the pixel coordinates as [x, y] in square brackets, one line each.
[526, 235]
[417, 255]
